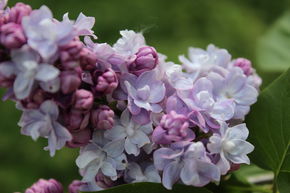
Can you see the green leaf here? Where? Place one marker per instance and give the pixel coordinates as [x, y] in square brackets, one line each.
[154, 188]
[269, 124]
[273, 56]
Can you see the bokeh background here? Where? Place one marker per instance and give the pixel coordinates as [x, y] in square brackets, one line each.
[169, 25]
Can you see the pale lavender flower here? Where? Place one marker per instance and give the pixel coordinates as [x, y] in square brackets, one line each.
[234, 86]
[132, 135]
[45, 186]
[173, 127]
[203, 61]
[101, 156]
[130, 43]
[134, 173]
[29, 71]
[144, 94]
[83, 25]
[12, 36]
[44, 34]
[19, 11]
[231, 145]
[103, 118]
[43, 123]
[186, 161]
[7, 74]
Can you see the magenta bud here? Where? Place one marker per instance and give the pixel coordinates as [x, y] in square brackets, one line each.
[70, 81]
[173, 127]
[80, 138]
[45, 186]
[88, 60]
[76, 120]
[107, 82]
[70, 54]
[17, 12]
[103, 118]
[12, 36]
[146, 60]
[245, 65]
[74, 187]
[84, 100]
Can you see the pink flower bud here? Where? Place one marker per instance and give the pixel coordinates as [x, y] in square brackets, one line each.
[34, 100]
[106, 82]
[70, 54]
[76, 120]
[17, 12]
[88, 59]
[173, 127]
[70, 81]
[245, 65]
[45, 186]
[84, 100]
[146, 60]
[74, 187]
[80, 138]
[103, 118]
[12, 35]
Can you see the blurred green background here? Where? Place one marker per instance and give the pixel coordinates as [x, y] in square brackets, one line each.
[169, 25]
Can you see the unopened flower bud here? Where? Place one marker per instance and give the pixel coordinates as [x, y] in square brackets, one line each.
[80, 138]
[102, 118]
[17, 12]
[45, 186]
[70, 54]
[70, 81]
[88, 59]
[84, 100]
[146, 60]
[107, 82]
[12, 36]
[245, 65]
[173, 127]
[74, 187]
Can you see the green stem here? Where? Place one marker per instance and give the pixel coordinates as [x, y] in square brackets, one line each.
[252, 189]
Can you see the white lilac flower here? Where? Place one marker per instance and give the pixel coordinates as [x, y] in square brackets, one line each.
[186, 161]
[130, 43]
[43, 123]
[202, 61]
[103, 156]
[44, 34]
[83, 25]
[234, 86]
[134, 173]
[231, 145]
[132, 135]
[28, 71]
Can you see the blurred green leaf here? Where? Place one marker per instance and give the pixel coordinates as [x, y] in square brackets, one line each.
[154, 188]
[274, 48]
[269, 124]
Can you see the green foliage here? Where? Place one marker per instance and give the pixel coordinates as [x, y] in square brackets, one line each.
[269, 124]
[273, 50]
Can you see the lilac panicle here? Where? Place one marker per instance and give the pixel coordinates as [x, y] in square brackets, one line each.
[45, 186]
[173, 127]
[103, 118]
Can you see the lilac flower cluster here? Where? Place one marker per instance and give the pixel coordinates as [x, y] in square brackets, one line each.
[135, 116]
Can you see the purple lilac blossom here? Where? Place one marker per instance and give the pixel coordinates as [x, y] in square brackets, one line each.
[231, 145]
[29, 70]
[12, 36]
[103, 118]
[187, 162]
[45, 34]
[132, 135]
[19, 11]
[134, 173]
[42, 122]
